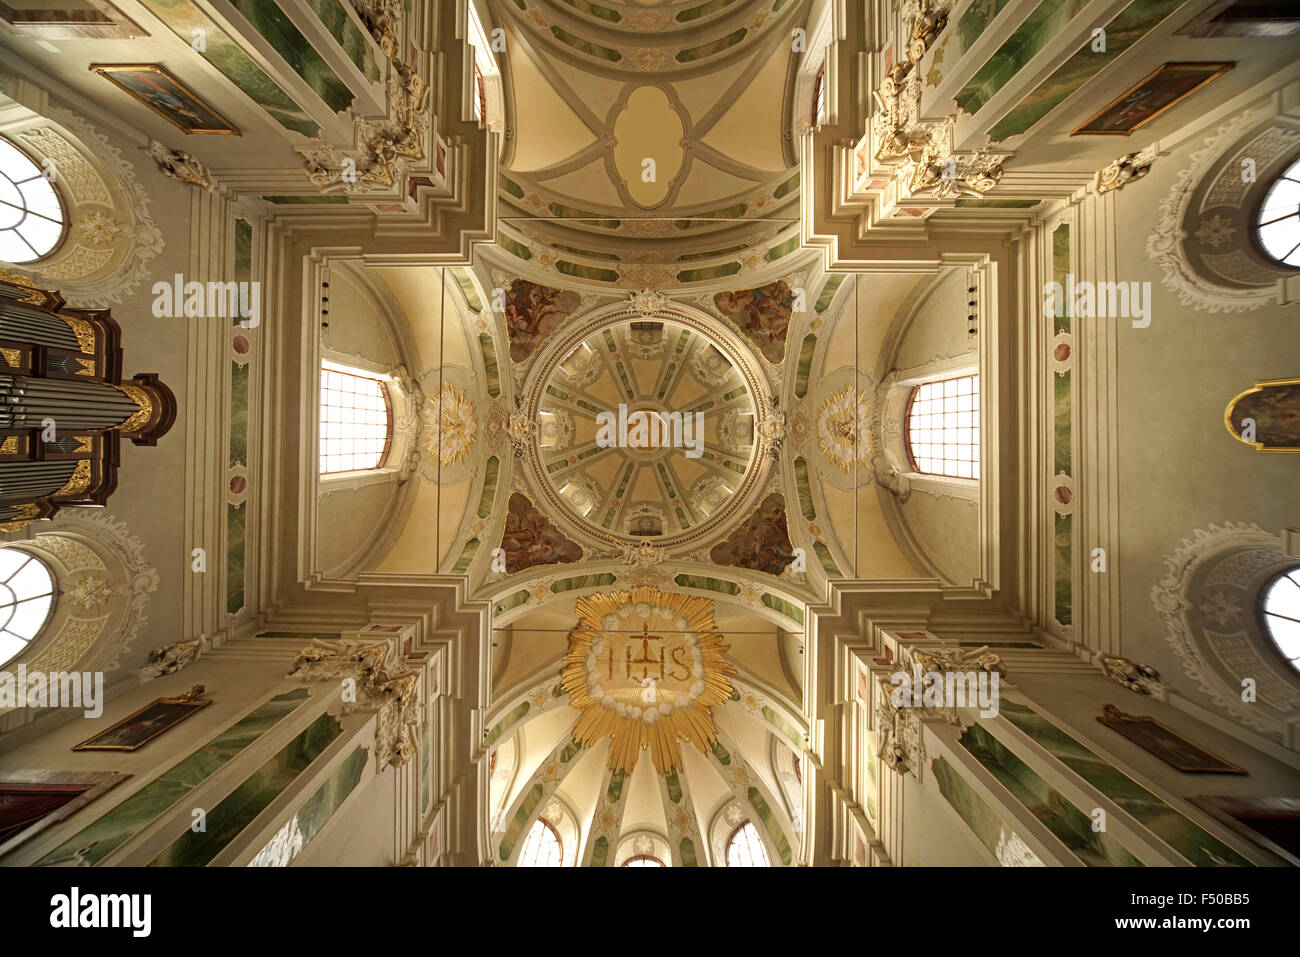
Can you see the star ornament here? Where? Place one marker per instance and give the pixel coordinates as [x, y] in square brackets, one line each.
[645, 668]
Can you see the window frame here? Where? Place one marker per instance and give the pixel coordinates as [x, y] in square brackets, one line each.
[914, 468]
[382, 470]
[643, 857]
[559, 842]
[1257, 209]
[1290, 572]
[66, 224]
[54, 593]
[731, 839]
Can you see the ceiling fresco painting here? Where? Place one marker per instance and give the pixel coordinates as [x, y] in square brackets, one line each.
[692, 349]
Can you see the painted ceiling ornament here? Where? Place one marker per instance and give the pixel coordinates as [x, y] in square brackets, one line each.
[532, 312]
[648, 302]
[530, 539]
[844, 428]
[763, 314]
[645, 668]
[451, 427]
[761, 543]
[99, 228]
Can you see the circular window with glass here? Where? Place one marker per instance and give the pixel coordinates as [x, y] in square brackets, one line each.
[32, 222]
[1280, 611]
[26, 598]
[1277, 224]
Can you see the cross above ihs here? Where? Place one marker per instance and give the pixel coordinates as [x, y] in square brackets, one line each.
[649, 661]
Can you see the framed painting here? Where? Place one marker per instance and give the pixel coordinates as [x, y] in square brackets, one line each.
[135, 731]
[32, 800]
[1168, 86]
[167, 96]
[1165, 743]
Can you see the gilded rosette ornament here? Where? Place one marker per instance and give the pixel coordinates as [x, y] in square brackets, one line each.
[645, 668]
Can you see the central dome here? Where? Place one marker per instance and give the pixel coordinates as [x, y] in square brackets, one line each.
[647, 430]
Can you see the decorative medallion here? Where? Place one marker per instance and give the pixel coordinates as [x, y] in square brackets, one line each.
[645, 668]
[844, 428]
[452, 426]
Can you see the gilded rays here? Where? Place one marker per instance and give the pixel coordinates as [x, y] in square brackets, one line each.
[645, 668]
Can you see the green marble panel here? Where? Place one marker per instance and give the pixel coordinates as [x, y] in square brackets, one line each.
[183, 17]
[1002, 842]
[277, 29]
[1187, 838]
[237, 810]
[804, 489]
[348, 36]
[1064, 569]
[505, 724]
[827, 296]
[774, 832]
[1048, 19]
[804, 368]
[707, 584]
[490, 369]
[236, 516]
[1124, 30]
[789, 609]
[93, 843]
[290, 840]
[1069, 824]
[784, 726]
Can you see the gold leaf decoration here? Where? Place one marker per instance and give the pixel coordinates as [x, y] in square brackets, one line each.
[645, 668]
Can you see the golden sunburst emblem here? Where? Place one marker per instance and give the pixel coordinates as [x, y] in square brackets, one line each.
[645, 668]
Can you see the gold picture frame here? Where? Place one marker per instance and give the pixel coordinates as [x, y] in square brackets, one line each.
[152, 85]
[1163, 86]
[1157, 738]
[136, 730]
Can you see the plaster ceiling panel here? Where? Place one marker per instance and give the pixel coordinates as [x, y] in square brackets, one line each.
[751, 736]
[412, 550]
[541, 734]
[878, 555]
[703, 93]
[418, 291]
[581, 786]
[750, 131]
[645, 807]
[706, 784]
[598, 93]
[648, 129]
[708, 184]
[547, 131]
[589, 184]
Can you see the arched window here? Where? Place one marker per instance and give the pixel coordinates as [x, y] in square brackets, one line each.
[32, 223]
[819, 96]
[1281, 613]
[943, 427]
[745, 848]
[1277, 224]
[26, 595]
[356, 421]
[543, 848]
[643, 860]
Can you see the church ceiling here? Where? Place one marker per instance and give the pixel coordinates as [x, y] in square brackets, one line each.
[649, 144]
